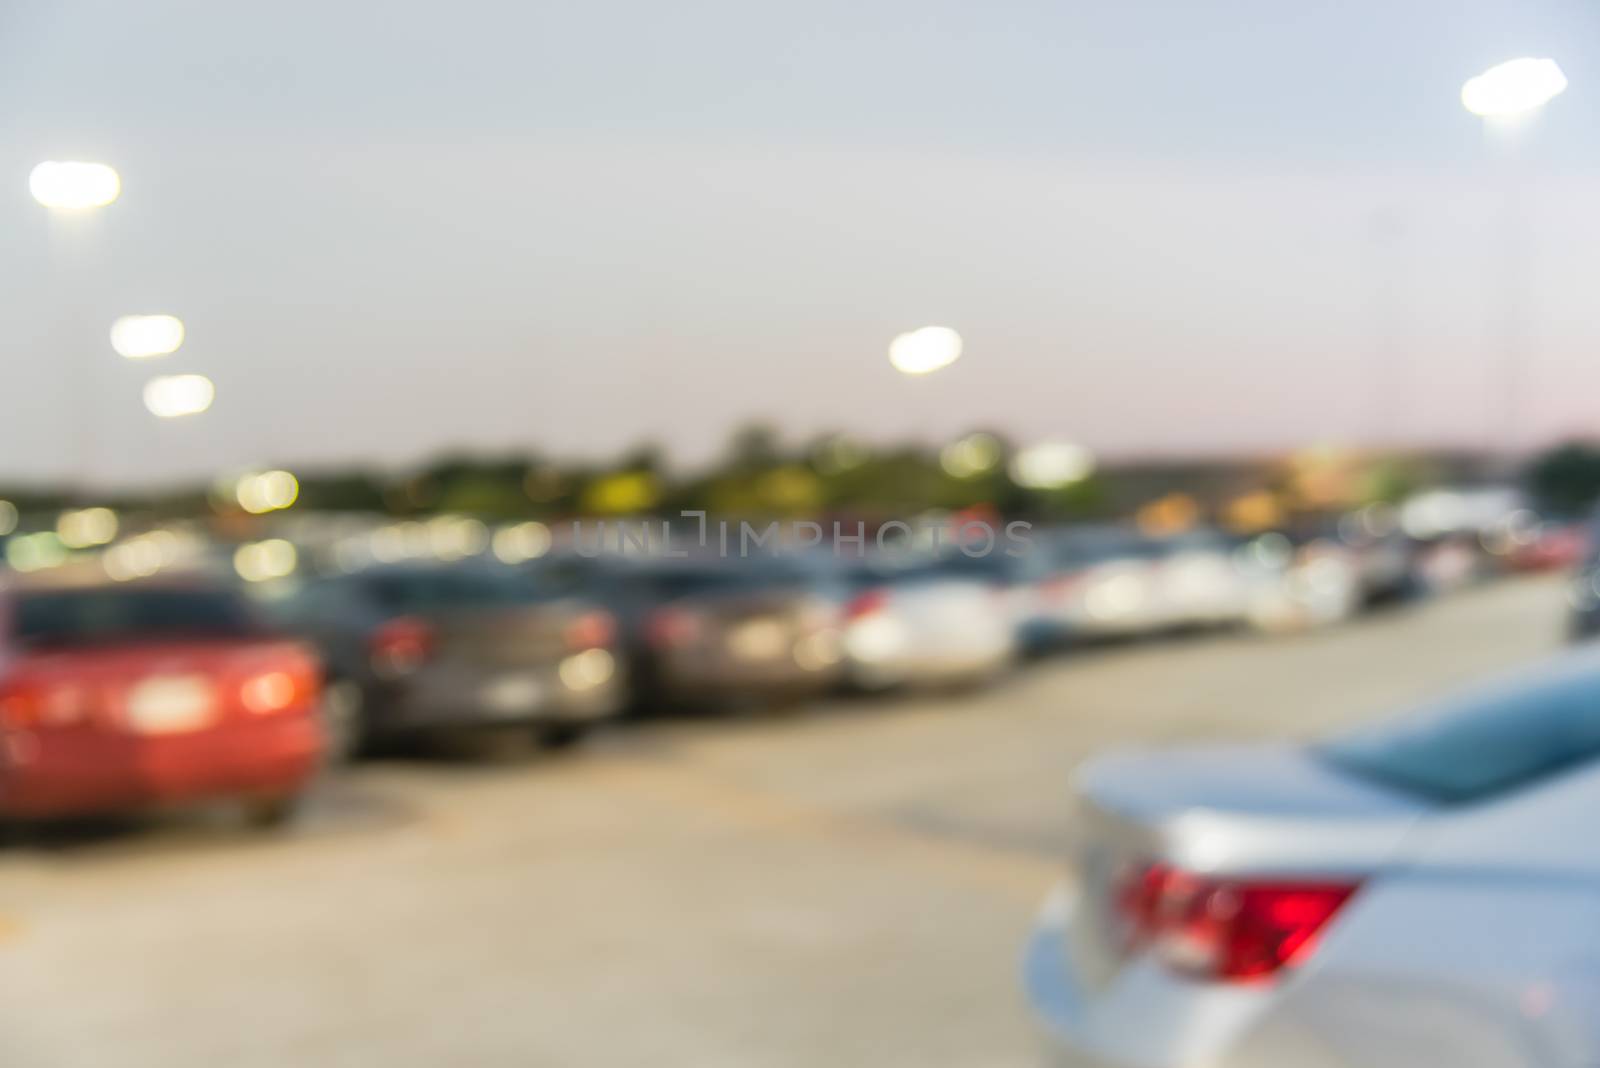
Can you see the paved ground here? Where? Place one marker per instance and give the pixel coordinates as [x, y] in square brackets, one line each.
[848, 886]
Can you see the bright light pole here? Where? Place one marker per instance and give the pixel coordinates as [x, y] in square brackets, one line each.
[70, 185]
[1513, 89]
[919, 353]
[1504, 96]
[174, 396]
[139, 337]
[72, 190]
[924, 351]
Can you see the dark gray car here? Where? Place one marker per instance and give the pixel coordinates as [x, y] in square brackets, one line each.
[462, 648]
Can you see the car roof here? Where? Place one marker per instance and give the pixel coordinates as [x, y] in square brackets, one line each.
[72, 579]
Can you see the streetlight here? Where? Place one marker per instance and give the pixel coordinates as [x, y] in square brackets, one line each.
[69, 185]
[1501, 96]
[67, 188]
[138, 337]
[924, 351]
[172, 396]
[1513, 88]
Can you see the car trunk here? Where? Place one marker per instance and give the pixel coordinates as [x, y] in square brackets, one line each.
[755, 627]
[148, 688]
[501, 637]
[951, 616]
[1268, 811]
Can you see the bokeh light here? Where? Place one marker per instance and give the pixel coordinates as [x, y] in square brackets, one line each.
[838, 454]
[139, 337]
[453, 537]
[35, 552]
[8, 518]
[260, 561]
[172, 396]
[84, 527]
[135, 558]
[970, 456]
[522, 541]
[268, 491]
[1513, 88]
[1051, 465]
[924, 351]
[67, 185]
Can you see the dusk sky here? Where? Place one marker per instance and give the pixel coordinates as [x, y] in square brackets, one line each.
[394, 229]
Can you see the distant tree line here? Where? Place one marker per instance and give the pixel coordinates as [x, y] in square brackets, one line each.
[759, 474]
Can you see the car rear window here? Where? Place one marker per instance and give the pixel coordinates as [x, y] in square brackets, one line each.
[866, 576]
[93, 616]
[1507, 737]
[992, 566]
[672, 583]
[424, 591]
[1084, 548]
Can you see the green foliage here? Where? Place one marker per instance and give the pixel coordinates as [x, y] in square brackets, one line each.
[1566, 479]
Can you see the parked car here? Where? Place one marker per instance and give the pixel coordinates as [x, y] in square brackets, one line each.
[153, 693]
[1203, 580]
[1105, 582]
[1304, 578]
[1583, 591]
[1385, 563]
[458, 650]
[707, 632]
[1417, 893]
[945, 622]
[1024, 579]
[1550, 545]
[1450, 562]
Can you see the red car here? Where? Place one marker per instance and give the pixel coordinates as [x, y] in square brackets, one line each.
[1551, 546]
[119, 696]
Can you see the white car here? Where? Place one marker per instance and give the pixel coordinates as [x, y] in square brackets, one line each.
[1203, 579]
[1128, 584]
[1115, 585]
[1425, 894]
[924, 625]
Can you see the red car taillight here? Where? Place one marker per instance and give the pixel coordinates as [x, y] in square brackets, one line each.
[1060, 587]
[30, 704]
[672, 626]
[295, 683]
[590, 630]
[865, 604]
[401, 646]
[1226, 929]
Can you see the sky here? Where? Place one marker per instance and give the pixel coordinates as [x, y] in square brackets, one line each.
[1168, 226]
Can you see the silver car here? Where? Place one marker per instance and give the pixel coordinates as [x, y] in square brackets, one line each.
[1425, 893]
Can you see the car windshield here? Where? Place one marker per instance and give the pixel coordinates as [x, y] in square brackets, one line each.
[92, 616]
[1492, 742]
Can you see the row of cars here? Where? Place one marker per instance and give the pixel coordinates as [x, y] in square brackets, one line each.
[177, 686]
[568, 640]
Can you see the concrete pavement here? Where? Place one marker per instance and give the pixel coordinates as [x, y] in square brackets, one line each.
[849, 885]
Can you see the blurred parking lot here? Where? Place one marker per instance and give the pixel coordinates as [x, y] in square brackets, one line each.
[847, 886]
[737, 536]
